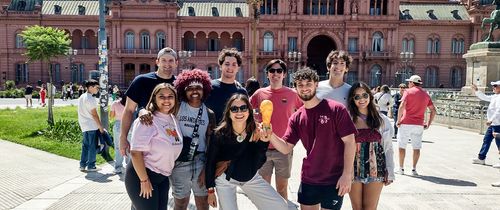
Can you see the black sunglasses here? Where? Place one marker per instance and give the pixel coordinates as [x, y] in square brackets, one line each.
[242, 108]
[279, 71]
[364, 96]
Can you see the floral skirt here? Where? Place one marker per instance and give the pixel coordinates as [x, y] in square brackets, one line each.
[369, 163]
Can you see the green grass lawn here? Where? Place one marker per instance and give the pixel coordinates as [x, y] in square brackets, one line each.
[25, 126]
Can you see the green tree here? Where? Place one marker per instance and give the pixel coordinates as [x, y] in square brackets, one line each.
[42, 44]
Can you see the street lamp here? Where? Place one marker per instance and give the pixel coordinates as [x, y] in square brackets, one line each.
[406, 58]
[294, 58]
[184, 57]
[71, 56]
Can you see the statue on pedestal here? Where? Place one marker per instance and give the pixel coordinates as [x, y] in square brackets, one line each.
[493, 20]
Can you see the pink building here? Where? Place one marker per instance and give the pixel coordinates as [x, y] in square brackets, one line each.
[389, 39]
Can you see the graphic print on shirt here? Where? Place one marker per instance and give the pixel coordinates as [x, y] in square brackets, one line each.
[323, 119]
[171, 132]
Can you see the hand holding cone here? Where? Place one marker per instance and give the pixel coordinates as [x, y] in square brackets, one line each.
[266, 111]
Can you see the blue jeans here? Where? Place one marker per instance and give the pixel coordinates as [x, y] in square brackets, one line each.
[488, 137]
[89, 145]
[116, 140]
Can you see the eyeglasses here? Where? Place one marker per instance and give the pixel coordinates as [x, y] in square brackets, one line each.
[279, 71]
[359, 97]
[235, 109]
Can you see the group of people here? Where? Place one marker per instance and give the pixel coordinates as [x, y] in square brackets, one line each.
[205, 137]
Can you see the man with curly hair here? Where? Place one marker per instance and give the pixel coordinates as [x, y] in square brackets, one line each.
[196, 121]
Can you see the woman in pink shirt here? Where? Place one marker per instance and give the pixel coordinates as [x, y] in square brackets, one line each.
[154, 149]
[116, 113]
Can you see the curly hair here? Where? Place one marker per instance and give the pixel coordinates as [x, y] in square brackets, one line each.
[306, 73]
[186, 77]
[338, 54]
[229, 52]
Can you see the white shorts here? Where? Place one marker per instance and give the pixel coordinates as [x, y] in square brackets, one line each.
[410, 132]
[28, 96]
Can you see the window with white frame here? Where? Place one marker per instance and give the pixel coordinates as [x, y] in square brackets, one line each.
[433, 46]
[22, 73]
[431, 77]
[145, 44]
[56, 71]
[456, 77]
[375, 75]
[160, 40]
[129, 40]
[268, 42]
[377, 42]
[457, 46]
[292, 44]
[19, 41]
[429, 46]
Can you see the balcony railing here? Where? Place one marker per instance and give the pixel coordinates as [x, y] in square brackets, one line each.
[269, 54]
[86, 51]
[379, 55]
[17, 51]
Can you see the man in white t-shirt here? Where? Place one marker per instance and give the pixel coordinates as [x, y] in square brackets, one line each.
[90, 125]
[338, 63]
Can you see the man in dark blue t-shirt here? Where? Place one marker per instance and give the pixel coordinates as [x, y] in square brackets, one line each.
[224, 87]
[139, 92]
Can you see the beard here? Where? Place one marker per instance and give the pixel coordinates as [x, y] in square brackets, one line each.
[307, 97]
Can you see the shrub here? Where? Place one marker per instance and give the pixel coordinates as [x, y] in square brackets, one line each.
[10, 84]
[64, 130]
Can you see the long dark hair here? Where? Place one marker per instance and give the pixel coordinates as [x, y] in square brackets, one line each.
[152, 107]
[373, 119]
[225, 127]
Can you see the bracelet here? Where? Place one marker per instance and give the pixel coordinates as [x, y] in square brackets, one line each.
[211, 191]
[144, 181]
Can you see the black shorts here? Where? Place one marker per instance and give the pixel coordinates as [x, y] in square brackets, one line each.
[327, 195]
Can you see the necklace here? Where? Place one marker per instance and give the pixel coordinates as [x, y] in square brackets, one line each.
[362, 116]
[240, 136]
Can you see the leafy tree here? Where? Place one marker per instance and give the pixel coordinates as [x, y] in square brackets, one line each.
[42, 44]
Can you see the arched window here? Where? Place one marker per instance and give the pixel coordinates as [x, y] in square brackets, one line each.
[457, 77]
[268, 42]
[377, 42]
[22, 73]
[85, 42]
[457, 46]
[375, 75]
[145, 44]
[429, 46]
[19, 41]
[431, 77]
[352, 77]
[129, 40]
[437, 46]
[77, 72]
[407, 45]
[160, 40]
[411, 45]
[56, 69]
[378, 7]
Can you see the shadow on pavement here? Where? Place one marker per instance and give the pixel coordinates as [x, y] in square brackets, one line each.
[445, 181]
[98, 177]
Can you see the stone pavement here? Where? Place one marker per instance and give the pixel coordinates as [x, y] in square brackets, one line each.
[12, 103]
[32, 179]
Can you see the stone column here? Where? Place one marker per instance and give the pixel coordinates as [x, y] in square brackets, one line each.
[483, 65]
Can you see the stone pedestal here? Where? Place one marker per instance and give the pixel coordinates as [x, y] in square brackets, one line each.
[483, 66]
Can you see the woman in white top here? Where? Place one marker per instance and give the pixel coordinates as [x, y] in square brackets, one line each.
[383, 99]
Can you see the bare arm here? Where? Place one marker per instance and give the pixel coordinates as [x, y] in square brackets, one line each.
[130, 107]
[96, 119]
[431, 117]
[400, 112]
[112, 114]
[280, 144]
[140, 169]
[345, 181]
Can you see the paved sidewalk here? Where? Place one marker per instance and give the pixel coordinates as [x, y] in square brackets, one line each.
[12, 103]
[33, 179]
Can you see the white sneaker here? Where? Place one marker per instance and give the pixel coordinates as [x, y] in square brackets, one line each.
[496, 184]
[478, 161]
[414, 172]
[400, 171]
[497, 165]
[82, 169]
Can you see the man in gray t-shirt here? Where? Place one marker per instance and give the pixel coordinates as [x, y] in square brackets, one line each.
[335, 88]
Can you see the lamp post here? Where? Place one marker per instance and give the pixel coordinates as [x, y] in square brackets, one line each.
[71, 56]
[184, 57]
[256, 15]
[406, 58]
[294, 58]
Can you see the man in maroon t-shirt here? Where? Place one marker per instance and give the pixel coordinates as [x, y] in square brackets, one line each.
[327, 133]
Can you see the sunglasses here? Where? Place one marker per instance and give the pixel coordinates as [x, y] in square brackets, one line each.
[359, 97]
[279, 71]
[235, 109]
[495, 85]
[193, 88]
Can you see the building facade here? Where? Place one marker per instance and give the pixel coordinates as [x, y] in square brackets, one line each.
[389, 39]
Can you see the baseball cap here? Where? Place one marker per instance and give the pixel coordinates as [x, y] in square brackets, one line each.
[167, 50]
[415, 79]
[495, 82]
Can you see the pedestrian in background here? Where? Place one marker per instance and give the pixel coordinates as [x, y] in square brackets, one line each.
[43, 94]
[395, 106]
[28, 95]
[373, 163]
[116, 113]
[383, 99]
[252, 85]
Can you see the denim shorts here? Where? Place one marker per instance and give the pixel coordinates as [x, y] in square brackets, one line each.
[184, 178]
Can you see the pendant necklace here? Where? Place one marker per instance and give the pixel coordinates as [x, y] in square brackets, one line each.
[240, 136]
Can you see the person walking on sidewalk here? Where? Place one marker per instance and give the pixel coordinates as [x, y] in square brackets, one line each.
[233, 144]
[154, 150]
[286, 102]
[410, 120]
[90, 125]
[196, 122]
[383, 99]
[338, 63]
[28, 95]
[43, 94]
[493, 122]
[373, 163]
[327, 132]
[116, 113]
[139, 92]
[395, 107]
